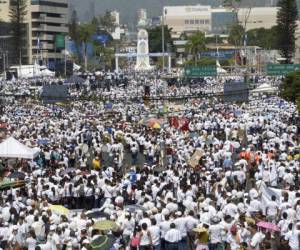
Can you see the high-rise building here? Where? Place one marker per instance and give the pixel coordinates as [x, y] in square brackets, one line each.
[92, 9]
[116, 16]
[118, 31]
[48, 20]
[71, 9]
[45, 21]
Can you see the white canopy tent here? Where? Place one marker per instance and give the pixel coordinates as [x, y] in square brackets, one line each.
[76, 67]
[11, 148]
[264, 88]
[47, 72]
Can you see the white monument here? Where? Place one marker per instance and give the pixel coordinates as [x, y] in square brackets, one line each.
[142, 59]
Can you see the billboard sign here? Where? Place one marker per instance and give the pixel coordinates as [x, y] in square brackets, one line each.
[200, 71]
[281, 69]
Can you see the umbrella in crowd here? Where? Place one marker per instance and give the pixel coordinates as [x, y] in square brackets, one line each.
[97, 215]
[59, 209]
[4, 185]
[103, 242]
[105, 225]
[16, 175]
[156, 125]
[268, 226]
[200, 230]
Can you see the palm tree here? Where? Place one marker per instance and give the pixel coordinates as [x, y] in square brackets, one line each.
[86, 31]
[196, 44]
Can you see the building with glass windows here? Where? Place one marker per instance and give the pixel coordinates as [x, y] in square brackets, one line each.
[216, 21]
[45, 20]
[221, 21]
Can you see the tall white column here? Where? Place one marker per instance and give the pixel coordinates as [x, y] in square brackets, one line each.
[117, 64]
[169, 64]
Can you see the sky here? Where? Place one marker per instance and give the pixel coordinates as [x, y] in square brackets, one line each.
[128, 8]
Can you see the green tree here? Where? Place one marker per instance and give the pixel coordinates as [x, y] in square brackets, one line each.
[104, 52]
[231, 3]
[155, 39]
[290, 88]
[196, 44]
[107, 21]
[264, 38]
[236, 35]
[17, 14]
[201, 62]
[74, 32]
[286, 27]
[85, 32]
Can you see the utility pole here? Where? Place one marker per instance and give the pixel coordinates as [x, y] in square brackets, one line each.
[163, 35]
[65, 57]
[4, 66]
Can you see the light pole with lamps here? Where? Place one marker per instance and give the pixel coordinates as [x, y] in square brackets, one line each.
[163, 34]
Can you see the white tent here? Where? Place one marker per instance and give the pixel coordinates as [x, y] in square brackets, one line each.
[47, 72]
[11, 148]
[265, 88]
[76, 67]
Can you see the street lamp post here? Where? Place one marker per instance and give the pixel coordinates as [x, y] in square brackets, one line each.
[65, 57]
[163, 35]
[4, 68]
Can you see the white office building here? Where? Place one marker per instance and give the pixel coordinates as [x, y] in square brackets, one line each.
[210, 20]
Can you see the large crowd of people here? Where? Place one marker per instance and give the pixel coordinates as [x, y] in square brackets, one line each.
[197, 174]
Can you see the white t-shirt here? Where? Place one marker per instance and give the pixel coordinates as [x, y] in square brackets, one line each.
[256, 240]
[292, 237]
[164, 226]
[215, 232]
[232, 241]
[145, 238]
[55, 241]
[31, 243]
[272, 207]
[173, 235]
[155, 234]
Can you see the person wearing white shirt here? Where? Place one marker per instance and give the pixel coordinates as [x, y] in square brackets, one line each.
[145, 220]
[4, 235]
[145, 238]
[128, 226]
[292, 236]
[190, 224]
[14, 240]
[283, 224]
[173, 238]
[164, 228]
[272, 209]
[56, 243]
[256, 239]
[31, 241]
[155, 234]
[216, 233]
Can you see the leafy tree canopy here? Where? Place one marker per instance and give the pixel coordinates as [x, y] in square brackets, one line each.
[155, 39]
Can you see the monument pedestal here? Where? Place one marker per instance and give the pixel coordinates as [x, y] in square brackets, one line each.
[142, 59]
